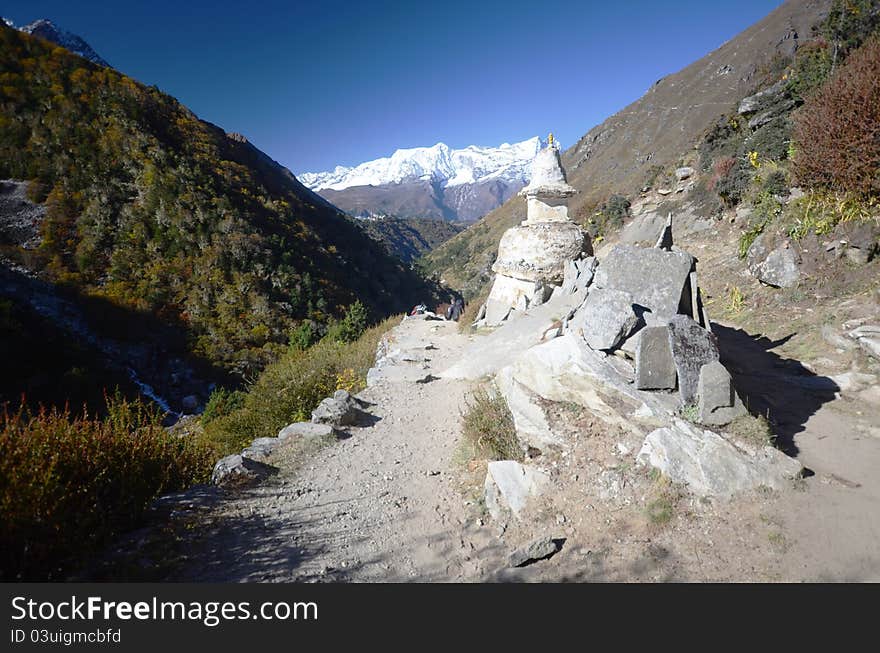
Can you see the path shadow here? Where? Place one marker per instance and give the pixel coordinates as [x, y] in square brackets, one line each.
[780, 389]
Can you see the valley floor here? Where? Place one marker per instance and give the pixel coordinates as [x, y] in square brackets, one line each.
[399, 500]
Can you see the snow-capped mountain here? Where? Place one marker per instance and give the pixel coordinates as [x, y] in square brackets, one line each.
[433, 182]
[46, 29]
[439, 163]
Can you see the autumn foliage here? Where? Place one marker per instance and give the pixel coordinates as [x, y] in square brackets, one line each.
[69, 483]
[837, 131]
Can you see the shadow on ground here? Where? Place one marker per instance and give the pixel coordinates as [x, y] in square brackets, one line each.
[780, 389]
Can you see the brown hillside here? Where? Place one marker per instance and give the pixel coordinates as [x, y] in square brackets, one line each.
[653, 134]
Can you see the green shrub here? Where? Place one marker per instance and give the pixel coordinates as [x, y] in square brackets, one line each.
[289, 389]
[487, 426]
[610, 216]
[850, 23]
[731, 179]
[766, 209]
[812, 66]
[304, 335]
[222, 402]
[723, 140]
[68, 484]
[354, 323]
[771, 141]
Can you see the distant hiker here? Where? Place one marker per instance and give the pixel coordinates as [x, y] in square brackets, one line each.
[418, 309]
[456, 309]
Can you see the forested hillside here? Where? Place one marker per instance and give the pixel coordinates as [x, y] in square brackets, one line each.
[165, 214]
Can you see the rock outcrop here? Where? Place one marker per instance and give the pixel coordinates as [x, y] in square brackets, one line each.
[710, 465]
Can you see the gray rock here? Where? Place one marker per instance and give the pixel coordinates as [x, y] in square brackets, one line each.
[857, 255]
[692, 347]
[539, 549]
[496, 312]
[836, 340]
[762, 98]
[306, 430]
[261, 448]
[655, 367]
[578, 275]
[509, 486]
[664, 241]
[237, 469]
[684, 173]
[719, 404]
[643, 229]
[712, 466]
[606, 318]
[654, 277]
[542, 293]
[339, 410]
[481, 313]
[871, 345]
[777, 267]
[529, 419]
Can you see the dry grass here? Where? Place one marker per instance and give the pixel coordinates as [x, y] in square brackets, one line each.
[487, 426]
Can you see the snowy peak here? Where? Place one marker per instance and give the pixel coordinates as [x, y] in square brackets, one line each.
[436, 164]
[46, 29]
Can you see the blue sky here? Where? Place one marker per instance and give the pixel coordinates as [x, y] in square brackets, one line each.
[316, 84]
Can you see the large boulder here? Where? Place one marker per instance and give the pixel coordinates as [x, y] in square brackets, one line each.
[529, 419]
[339, 410]
[655, 278]
[306, 431]
[261, 448]
[776, 267]
[509, 486]
[606, 318]
[506, 293]
[692, 347]
[655, 367]
[237, 469]
[712, 466]
[719, 404]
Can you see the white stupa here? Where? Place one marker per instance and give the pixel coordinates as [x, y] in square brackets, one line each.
[532, 257]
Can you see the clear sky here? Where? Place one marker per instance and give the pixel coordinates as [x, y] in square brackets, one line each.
[325, 83]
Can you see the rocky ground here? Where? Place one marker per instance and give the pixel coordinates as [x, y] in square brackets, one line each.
[400, 498]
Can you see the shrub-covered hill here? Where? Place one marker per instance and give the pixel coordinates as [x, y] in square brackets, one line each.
[410, 238]
[160, 212]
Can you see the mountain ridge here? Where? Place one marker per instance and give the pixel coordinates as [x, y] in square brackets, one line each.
[46, 29]
[435, 182]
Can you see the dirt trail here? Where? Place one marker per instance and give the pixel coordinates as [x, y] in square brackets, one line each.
[383, 504]
[394, 502]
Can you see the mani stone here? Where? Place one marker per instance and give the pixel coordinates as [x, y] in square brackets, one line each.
[719, 404]
[607, 318]
[655, 368]
[654, 277]
[692, 347]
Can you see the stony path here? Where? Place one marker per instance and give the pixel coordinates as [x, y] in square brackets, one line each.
[392, 501]
[383, 504]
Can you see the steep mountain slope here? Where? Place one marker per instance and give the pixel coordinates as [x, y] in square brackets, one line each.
[166, 215]
[647, 138]
[430, 182]
[410, 238]
[46, 29]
